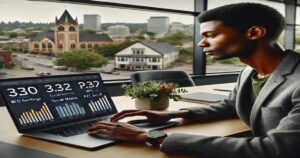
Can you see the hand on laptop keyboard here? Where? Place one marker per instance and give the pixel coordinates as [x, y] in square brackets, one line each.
[118, 131]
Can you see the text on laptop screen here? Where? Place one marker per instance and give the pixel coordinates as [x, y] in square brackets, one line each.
[38, 102]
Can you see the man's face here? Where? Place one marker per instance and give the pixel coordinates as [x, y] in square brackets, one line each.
[222, 42]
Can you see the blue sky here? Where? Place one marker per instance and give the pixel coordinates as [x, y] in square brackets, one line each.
[24, 11]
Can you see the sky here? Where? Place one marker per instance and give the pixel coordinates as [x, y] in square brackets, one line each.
[25, 11]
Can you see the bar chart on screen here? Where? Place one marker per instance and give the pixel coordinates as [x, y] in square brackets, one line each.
[101, 104]
[67, 110]
[36, 116]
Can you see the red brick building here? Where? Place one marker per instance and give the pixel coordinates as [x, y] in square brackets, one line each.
[6, 59]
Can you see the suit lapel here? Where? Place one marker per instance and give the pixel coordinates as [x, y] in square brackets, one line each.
[276, 79]
[241, 100]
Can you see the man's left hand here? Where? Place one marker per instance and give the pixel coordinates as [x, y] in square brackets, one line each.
[119, 131]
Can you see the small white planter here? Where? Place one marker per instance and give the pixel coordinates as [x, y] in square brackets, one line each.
[148, 104]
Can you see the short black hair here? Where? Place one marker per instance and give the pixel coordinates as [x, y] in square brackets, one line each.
[242, 16]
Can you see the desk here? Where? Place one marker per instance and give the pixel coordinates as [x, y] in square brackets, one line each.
[9, 134]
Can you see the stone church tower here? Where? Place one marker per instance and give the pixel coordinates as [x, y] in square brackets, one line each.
[66, 33]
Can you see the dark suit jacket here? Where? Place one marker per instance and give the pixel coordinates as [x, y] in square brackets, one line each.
[274, 118]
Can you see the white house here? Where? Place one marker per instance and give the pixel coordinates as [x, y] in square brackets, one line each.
[146, 56]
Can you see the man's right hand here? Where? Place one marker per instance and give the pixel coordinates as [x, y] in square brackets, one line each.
[151, 116]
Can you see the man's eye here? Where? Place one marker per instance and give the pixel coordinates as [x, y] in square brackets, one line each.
[212, 35]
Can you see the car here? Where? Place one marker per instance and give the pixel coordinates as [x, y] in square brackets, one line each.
[44, 73]
[63, 68]
[115, 72]
[110, 71]
[107, 71]
[27, 67]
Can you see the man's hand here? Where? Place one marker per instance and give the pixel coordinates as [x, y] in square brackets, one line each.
[119, 131]
[152, 116]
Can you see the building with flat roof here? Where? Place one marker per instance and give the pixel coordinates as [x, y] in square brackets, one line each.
[158, 25]
[92, 22]
[118, 31]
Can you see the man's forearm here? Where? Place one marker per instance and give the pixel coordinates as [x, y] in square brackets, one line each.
[179, 114]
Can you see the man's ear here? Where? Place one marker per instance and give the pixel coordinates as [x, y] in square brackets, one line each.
[256, 32]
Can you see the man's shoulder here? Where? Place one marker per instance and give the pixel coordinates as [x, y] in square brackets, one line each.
[293, 53]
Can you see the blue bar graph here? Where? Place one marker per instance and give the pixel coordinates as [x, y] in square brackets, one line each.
[68, 110]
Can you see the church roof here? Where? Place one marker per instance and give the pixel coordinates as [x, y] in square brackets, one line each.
[88, 37]
[38, 37]
[64, 16]
[83, 37]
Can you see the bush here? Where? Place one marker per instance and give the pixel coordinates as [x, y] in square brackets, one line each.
[80, 60]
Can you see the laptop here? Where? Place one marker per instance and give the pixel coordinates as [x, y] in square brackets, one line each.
[61, 108]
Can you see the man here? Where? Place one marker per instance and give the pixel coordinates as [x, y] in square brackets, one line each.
[266, 97]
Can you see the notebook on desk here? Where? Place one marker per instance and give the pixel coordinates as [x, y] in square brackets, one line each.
[61, 108]
[202, 97]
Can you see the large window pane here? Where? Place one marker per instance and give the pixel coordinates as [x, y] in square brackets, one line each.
[297, 36]
[234, 64]
[187, 5]
[129, 41]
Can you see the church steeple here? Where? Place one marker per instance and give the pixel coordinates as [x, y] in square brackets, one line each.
[66, 18]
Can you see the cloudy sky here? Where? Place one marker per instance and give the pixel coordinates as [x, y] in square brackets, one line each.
[24, 11]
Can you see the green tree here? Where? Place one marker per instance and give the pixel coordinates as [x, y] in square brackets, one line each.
[298, 40]
[13, 35]
[176, 39]
[112, 49]
[151, 34]
[88, 31]
[186, 55]
[80, 60]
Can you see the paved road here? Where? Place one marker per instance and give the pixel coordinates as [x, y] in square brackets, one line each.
[45, 64]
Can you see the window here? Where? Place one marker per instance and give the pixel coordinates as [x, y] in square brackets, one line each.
[90, 45]
[145, 26]
[82, 46]
[61, 28]
[122, 58]
[154, 60]
[233, 64]
[72, 29]
[138, 51]
[297, 39]
[36, 45]
[49, 45]
[73, 46]
[44, 45]
[60, 46]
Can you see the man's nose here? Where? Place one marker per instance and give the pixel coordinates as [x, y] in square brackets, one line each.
[203, 43]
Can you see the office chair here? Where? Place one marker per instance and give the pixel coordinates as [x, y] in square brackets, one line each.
[174, 76]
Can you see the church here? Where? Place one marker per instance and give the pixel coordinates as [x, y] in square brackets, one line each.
[66, 37]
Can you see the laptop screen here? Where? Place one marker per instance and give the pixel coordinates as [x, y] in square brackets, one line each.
[44, 101]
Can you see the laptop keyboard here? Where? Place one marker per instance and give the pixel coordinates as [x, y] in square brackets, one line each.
[74, 129]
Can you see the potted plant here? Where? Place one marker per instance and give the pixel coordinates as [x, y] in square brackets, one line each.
[152, 95]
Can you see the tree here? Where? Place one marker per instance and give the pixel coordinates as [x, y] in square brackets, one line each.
[13, 35]
[112, 49]
[176, 39]
[151, 34]
[298, 40]
[80, 60]
[88, 31]
[186, 55]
